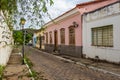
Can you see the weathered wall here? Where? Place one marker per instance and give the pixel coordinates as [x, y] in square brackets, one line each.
[5, 41]
[106, 16]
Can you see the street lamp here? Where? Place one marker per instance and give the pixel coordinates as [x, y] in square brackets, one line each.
[22, 22]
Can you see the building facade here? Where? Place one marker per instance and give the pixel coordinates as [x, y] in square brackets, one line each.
[101, 33]
[64, 34]
[6, 41]
[38, 39]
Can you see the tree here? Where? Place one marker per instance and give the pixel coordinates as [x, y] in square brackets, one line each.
[28, 37]
[32, 10]
[18, 37]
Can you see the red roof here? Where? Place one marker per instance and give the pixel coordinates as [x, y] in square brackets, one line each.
[90, 2]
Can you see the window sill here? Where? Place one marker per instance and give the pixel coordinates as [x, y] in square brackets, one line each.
[101, 46]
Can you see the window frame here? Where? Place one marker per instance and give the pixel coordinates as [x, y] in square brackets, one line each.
[50, 37]
[107, 29]
[72, 36]
[62, 35]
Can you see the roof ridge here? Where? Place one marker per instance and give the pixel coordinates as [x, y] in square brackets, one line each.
[90, 2]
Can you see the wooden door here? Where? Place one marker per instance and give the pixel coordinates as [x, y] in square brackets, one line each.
[40, 39]
[55, 40]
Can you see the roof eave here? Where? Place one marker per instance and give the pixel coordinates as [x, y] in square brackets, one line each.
[63, 16]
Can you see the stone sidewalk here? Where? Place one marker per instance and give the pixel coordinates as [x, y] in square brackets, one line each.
[15, 70]
[105, 67]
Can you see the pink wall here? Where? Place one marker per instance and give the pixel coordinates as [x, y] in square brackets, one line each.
[66, 24]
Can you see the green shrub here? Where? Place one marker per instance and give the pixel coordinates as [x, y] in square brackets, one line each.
[28, 62]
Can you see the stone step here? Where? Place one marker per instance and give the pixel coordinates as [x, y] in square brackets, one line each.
[15, 59]
[16, 50]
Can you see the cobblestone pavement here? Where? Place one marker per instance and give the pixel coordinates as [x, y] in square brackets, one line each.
[54, 68]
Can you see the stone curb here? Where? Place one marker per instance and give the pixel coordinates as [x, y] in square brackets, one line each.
[27, 67]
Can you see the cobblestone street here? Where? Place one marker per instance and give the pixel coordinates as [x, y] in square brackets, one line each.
[54, 68]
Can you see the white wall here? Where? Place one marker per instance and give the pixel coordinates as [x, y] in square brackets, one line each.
[5, 41]
[90, 20]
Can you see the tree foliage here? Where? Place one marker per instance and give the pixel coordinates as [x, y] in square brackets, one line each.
[31, 10]
[7, 7]
[18, 37]
[28, 37]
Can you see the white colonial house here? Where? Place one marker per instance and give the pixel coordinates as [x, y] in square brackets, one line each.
[101, 33]
[5, 41]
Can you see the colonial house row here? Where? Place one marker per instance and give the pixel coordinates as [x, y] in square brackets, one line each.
[5, 41]
[101, 33]
[66, 34]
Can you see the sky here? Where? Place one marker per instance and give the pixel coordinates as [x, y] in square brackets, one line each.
[61, 6]
[58, 8]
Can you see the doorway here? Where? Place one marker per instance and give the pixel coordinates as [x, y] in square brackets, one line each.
[55, 40]
[40, 39]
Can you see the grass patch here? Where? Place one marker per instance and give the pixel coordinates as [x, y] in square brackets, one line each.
[1, 71]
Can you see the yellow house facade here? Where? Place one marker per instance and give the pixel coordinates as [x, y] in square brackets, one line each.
[38, 39]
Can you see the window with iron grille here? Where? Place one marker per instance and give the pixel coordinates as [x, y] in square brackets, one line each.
[102, 36]
[62, 35]
[50, 33]
[46, 37]
[71, 35]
